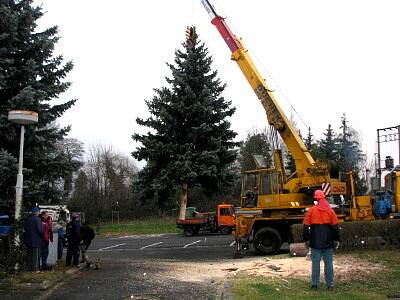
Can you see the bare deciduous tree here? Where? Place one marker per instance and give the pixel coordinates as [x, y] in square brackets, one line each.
[106, 183]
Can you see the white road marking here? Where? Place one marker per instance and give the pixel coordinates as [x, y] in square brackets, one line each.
[151, 245]
[127, 249]
[112, 246]
[233, 243]
[136, 236]
[192, 244]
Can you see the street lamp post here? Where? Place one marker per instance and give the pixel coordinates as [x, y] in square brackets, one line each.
[21, 117]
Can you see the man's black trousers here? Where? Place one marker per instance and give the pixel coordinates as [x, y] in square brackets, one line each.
[72, 254]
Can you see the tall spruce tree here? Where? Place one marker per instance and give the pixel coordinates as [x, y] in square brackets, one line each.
[308, 141]
[311, 144]
[328, 146]
[350, 155]
[191, 142]
[30, 78]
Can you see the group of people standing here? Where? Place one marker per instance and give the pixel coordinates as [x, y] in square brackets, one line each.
[38, 234]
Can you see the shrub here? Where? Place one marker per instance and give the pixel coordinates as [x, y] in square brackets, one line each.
[379, 234]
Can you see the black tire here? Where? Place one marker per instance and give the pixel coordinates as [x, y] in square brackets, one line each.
[188, 230]
[225, 230]
[267, 241]
[196, 230]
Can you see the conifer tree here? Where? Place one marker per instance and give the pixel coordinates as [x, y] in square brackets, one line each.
[30, 78]
[308, 141]
[350, 155]
[190, 142]
[311, 145]
[328, 146]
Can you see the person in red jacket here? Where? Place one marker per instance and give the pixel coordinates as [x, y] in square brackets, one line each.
[321, 232]
[47, 238]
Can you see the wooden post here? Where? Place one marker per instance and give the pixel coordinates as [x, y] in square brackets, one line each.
[183, 202]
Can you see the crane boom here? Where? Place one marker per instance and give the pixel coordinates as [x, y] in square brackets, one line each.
[275, 115]
[283, 200]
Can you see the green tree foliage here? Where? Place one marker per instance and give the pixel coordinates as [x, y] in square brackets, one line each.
[290, 165]
[30, 78]
[288, 159]
[342, 151]
[350, 156]
[256, 143]
[7, 176]
[328, 148]
[308, 141]
[312, 144]
[190, 141]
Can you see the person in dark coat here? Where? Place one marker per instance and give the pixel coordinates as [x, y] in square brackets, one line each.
[87, 235]
[74, 240]
[321, 232]
[33, 238]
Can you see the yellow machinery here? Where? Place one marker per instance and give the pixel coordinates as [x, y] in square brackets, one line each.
[393, 184]
[387, 201]
[271, 203]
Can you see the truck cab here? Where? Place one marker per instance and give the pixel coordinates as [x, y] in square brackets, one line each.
[225, 216]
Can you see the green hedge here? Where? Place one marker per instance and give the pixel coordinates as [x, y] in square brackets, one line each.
[379, 234]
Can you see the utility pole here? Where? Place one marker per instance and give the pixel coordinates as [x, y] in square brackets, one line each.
[389, 134]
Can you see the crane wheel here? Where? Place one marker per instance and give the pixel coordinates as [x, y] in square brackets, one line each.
[267, 241]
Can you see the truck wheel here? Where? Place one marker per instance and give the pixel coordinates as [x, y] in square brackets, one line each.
[225, 230]
[188, 231]
[267, 241]
[196, 230]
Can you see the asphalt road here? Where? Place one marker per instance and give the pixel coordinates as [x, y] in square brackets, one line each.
[134, 267]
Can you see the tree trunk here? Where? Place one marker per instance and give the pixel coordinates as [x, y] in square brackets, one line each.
[183, 202]
[298, 249]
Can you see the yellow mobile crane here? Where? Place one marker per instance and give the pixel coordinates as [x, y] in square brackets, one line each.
[272, 202]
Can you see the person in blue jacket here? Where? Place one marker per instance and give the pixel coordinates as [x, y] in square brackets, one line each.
[33, 238]
[61, 241]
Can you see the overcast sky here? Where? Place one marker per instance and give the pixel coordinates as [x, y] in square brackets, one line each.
[323, 58]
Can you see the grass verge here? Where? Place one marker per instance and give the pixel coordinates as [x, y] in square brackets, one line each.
[22, 280]
[380, 285]
[147, 226]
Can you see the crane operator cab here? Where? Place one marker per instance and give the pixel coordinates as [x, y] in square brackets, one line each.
[260, 182]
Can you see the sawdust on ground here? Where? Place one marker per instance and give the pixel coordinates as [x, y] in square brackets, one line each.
[346, 267]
